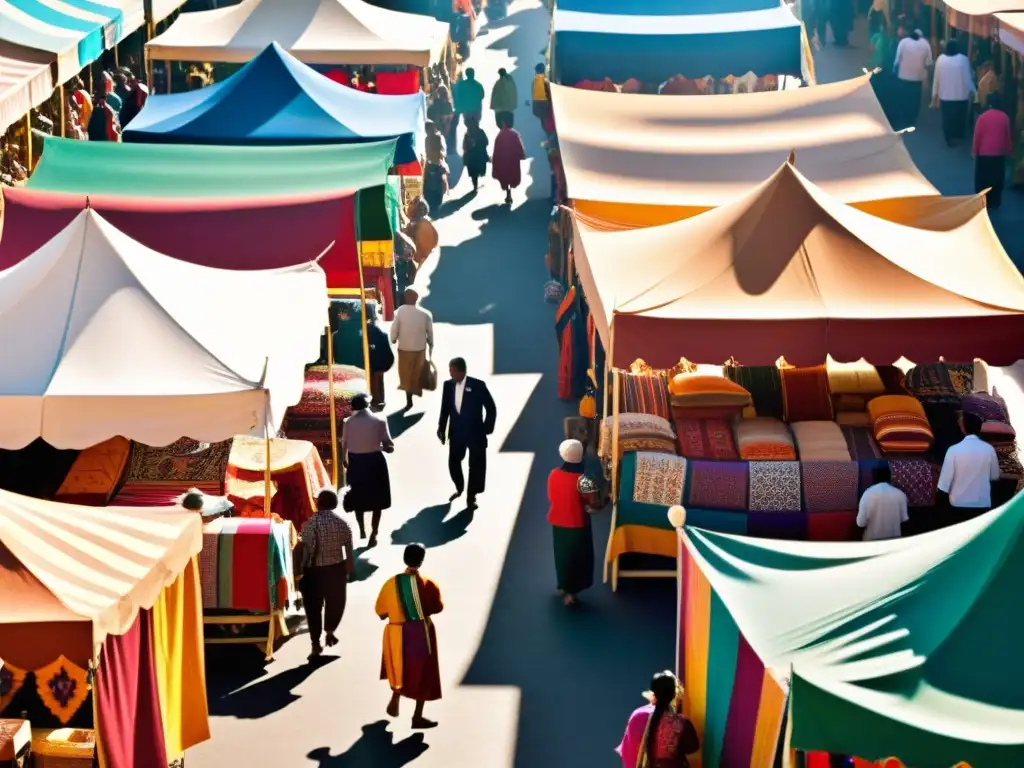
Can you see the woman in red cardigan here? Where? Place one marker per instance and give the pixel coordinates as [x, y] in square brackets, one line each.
[570, 524]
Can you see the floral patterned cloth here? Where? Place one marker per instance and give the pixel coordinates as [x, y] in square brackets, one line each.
[659, 479]
[775, 486]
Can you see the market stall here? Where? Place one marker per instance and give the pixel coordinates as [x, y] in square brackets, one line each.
[899, 649]
[652, 45]
[785, 270]
[101, 627]
[337, 32]
[277, 100]
[183, 363]
[641, 160]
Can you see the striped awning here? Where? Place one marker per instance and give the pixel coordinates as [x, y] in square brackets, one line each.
[26, 81]
[87, 27]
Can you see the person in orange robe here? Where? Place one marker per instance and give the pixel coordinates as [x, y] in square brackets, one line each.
[409, 660]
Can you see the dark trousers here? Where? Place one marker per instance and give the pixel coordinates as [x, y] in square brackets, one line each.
[477, 466]
[954, 120]
[990, 174]
[324, 593]
[910, 105]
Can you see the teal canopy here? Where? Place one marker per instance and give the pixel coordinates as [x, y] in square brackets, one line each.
[908, 648]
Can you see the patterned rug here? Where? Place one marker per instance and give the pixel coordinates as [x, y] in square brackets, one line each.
[861, 443]
[706, 439]
[829, 486]
[764, 384]
[184, 461]
[659, 479]
[940, 382]
[775, 486]
[917, 478]
[159, 494]
[717, 485]
[315, 402]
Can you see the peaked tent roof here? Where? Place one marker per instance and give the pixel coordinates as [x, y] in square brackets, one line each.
[276, 99]
[314, 31]
[61, 563]
[677, 155]
[209, 172]
[26, 81]
[787, 270]
[126, 341]
[653, 48]
[907, 648]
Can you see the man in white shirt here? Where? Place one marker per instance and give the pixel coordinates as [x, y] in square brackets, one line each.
[913, 57]
[883, 508]
[952, 89]
[968, 471]
[413, 330]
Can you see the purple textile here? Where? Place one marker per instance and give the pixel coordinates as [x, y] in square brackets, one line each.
[829, 486]
[717, 484]
[984, 406]
[917, 478]
[629, 748]
[778, 525]
[861, 443]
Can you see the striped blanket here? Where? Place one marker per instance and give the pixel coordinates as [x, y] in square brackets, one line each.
[245, 564]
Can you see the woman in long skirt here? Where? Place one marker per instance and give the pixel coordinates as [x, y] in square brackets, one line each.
[365, 440]
[570, 524]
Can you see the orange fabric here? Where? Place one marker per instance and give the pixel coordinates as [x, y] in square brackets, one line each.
[95, 473]
[643, 540]
[764, 439]
[699, 384]
[889, 404]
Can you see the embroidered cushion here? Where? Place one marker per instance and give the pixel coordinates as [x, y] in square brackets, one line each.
[638, 432]
[899, 424]
[805, 394]
[645, 393]
[764, 439]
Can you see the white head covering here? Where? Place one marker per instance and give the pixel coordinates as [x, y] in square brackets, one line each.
[571, 451]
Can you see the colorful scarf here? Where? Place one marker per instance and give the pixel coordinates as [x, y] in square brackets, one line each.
[408, 589]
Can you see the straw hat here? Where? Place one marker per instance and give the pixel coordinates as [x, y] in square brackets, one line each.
[571, 451]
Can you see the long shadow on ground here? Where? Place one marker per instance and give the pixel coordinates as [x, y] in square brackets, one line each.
[376, 747]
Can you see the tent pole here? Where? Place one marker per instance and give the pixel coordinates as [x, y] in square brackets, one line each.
[117, 63]
[28, 140]
[167, 70]
[150, 33]
[362, 303]
[330, 398]
[268, 494]
[63, 113]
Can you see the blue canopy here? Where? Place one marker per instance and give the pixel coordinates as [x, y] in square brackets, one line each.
[652, 48]
[276, 99]
[666, 7]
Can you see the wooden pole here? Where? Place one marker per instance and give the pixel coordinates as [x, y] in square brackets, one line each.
[117, 63]
[609, 363]
[148, 63]
[28, 140]
[268, 491]
[63, 113]
[362, 306]
[330, 399]
[167, 71]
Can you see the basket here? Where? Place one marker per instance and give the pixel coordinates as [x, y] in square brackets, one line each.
[63, 747]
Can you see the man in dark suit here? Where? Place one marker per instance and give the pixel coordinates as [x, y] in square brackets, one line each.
[467, 418]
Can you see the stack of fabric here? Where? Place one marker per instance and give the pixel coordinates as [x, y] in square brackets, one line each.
[310, 419]
[246, 565]
[158, 476]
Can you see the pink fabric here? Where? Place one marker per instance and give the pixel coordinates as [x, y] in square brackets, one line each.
[508, 156]
[992, 134]
[629, 749]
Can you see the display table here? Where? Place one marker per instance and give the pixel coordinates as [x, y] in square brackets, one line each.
[246, 576]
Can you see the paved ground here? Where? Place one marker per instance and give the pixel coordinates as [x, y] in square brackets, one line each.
[527, 683]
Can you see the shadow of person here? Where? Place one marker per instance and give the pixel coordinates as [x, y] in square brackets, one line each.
[401, 421]
[363, 568]
[453, 205]
[268, 695]
[430, 528]
[376, 748]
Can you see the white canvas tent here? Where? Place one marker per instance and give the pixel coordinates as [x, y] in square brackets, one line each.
[101, 336]
[314, 31]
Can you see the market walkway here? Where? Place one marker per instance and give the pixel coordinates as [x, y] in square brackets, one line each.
[527, 683]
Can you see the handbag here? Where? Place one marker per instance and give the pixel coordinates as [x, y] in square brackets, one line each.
[428, 377]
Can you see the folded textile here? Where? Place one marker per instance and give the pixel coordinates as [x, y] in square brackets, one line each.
[95, 473]
[832, 526]
[1009, 461]
[717, 485]
[997, 432]
[820, 441]
[185, 461]
[157, 494]
[660, 479]
[697, 390]
[638, 432]
[859, 378]
[805, 394]
[764, 439]
[940, 382]
[829, 486]
[917, 478]
[645, 393]
[208, 568]
[764, 384]
[899, 424]
[985, 406]
[774, 486]
[706, 439]
[861, 443]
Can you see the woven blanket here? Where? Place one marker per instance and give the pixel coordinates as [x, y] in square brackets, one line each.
[820, 441]
[184, 461]
[861, 443]
[829, 486]
[917, 478]
[775, 486]
[159, 494]
[706, 439]
[315, 402]
[659, 479]
[717, 485]
[643, 393]
[764, 384]
[764, 439]
[805, 394]
[983, 405]
[940, 382]
[208, 572]
[238, 555]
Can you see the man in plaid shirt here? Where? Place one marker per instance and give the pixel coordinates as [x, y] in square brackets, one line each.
[327, 562]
